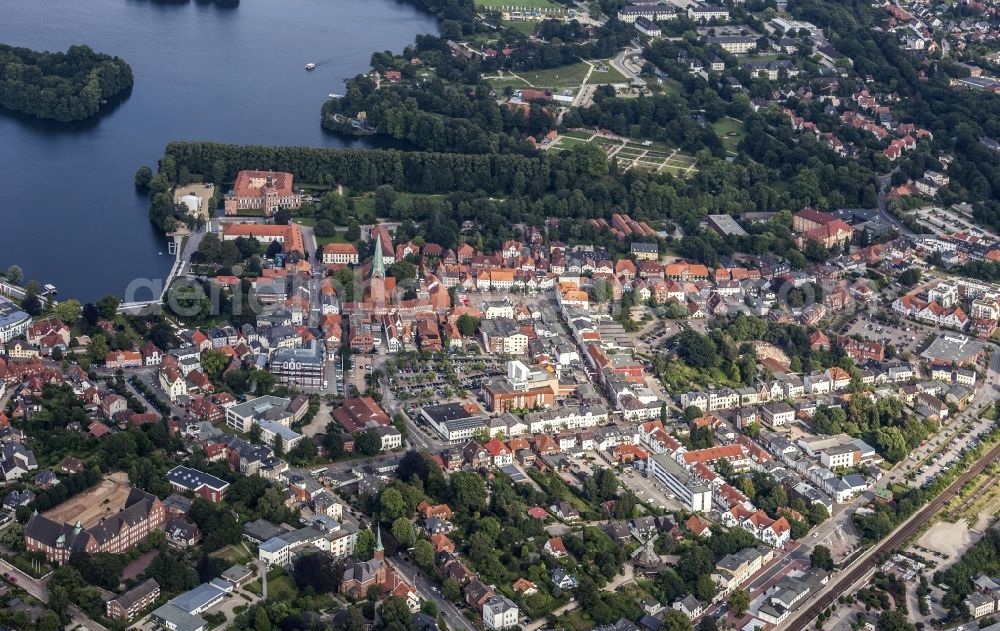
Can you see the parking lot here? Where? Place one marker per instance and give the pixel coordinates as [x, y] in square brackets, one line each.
[906, 337]
[953, 446]
[437, 379]
[650, 491]
[654, 336]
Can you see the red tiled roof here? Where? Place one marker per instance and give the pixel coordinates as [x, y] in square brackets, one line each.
[249, 182]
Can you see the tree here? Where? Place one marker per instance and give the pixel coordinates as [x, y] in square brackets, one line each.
[353, 231]
[214, 362]
[909, 277]
[423, 554]
[402, 532]
[818, 514]
[893, 621]
[821, 558]
[274, 249]
[674, 620]
[260, 620]
[704, 588]
[15, 275]
[467, 325]
[394, 614]
[108, 306]
[68, 311]
[49, 622]
[403, 271]
[429, 607]
[385, 199]
[891, 442]
[674, 310]
[451, 590]
[31, 303]
[697, 350]
[368, 442]
[303, 453]
[143, 176]
[59, 602]
[467, 491]
[318, 571]
[364, 549]
[282, 217]
[391, 505]
[739, 602]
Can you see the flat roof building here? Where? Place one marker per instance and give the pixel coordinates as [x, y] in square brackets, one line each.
[198, 482]
[953, 348]
[726, 226]
[695, 494]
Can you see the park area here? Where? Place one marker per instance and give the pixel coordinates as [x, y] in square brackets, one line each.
[649, 156]
[104, 500]
[730, 131]
[573, 77]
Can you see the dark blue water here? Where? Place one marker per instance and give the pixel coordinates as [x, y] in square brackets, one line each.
[69, 213]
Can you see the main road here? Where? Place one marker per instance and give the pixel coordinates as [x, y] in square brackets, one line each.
[428, 591]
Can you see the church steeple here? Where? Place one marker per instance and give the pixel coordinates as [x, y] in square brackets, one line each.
[378, 264]
[379, 550]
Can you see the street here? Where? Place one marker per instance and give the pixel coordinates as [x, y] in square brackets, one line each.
[428, 591]
[620, 64]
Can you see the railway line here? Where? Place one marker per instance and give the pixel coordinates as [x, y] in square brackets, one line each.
[842, 582]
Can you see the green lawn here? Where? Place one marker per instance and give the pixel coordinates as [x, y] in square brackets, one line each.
[521, 26]
[611, 76]
[234, 554]
[671, 87]
[730, 131]
[570, 76]
[575, 621]
[281, 588]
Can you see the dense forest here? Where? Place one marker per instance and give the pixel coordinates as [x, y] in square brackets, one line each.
[496, 191]
[65, 87]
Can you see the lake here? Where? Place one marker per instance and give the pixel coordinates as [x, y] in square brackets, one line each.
[70, 214]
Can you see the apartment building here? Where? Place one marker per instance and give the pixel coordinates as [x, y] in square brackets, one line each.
[695, 494]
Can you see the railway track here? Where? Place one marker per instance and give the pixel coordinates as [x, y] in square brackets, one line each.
[804, 617]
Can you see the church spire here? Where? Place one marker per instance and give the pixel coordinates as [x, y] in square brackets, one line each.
[379, 550]
[378, 264]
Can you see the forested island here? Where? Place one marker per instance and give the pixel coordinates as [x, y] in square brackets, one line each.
[66, 87]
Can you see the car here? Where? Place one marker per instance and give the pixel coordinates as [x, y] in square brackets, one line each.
[12, 579]
[815, 534]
